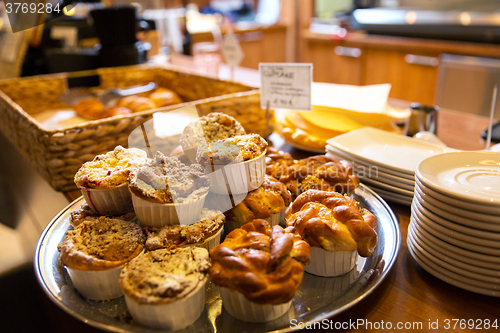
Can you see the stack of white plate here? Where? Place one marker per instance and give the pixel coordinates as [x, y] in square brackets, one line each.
[454, 232]
[384, 161]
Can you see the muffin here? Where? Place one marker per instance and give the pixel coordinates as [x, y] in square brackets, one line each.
[207, 129]
[103, 181]
[165, 289]
[335, 227]
[258, 270]
[204, 233]
[235, 165]
[95, 252]
[319, 173]
[85, 213]
[267, 202]
[167, 192]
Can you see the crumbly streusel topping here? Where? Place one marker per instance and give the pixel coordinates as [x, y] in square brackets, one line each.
[163, 276]
[210, 128]
[237, 149]
[111, 169]
[209, 223]
[168, 180]
[102, 238]
[85, 213]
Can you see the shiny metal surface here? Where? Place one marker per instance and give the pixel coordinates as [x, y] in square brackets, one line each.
[317, 299]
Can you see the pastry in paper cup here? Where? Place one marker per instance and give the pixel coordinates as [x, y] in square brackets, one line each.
[165, 289]
[95, 252]
[259, 270]
[167, 192]
[236, 165]
[205, 233]
[335, 227]
[103, 181]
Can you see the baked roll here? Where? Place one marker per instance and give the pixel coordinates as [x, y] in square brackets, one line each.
[92, 108]
[263, 264]
[272, 197]
[277, 162]
[164, 97]
[136, 103]
[333, 221]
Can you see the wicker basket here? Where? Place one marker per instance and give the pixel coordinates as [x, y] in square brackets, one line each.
[58, 154]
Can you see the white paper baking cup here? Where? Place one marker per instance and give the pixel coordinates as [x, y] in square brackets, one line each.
[157, 215]
[210, 242]
[241, 308]
[97, 285]
[237, 178]
[273, 220]
[111, 202]
[326, 263]
[171, 316]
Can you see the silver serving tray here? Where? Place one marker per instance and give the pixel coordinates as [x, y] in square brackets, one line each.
[318, 297]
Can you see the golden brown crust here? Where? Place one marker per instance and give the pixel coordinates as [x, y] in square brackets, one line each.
[101, 244]
[277, 162]
[333, 221]
[92, 108]
[164, 97]
[136, 103]
[318, 172]
[85, 213]
[270, 198]
[261, 263]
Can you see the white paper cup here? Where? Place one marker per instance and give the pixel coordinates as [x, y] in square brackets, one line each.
[274, 219]
[210, 242]
[326, 263]
[154, 214]
[97, 285]
[241, 308]
[237, 178]
[170, 316]
[112, 202]
[229, 226]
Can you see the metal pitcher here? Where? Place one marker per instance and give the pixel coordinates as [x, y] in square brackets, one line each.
[422, 118]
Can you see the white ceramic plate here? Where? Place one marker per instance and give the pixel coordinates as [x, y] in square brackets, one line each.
[492, 244]
[457, 219]
[457, 266]
[301, 147]
[457, 283]
[495, 219]
[491, 235]
[397, 198]
[469, 176]
[434, 229]
[390, 150]
[470, 257]
[476, 207]
[367, 165]
[452, 277]
[387, 187]
[379, 177]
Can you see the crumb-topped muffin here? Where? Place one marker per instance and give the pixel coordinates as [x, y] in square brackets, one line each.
[210, 223]
[236, 149]
[166, 288]
[257, 265]
[85, 213]
[210, 128]
[167, 180]
[101, 244]
[109, 170]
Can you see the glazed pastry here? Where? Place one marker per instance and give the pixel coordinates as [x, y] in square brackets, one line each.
[319, 172]
[164, 97]
[277, 162]
[136, 103]
[334, 222]
[270, 198]
[92, 108]
[263, 264]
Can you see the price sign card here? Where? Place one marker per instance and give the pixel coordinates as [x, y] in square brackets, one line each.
[231, 49]
[286, 85]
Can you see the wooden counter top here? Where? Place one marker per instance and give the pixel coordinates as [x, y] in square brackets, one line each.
[360, 39]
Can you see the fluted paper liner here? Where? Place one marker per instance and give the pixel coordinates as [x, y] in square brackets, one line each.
[112, 202]
[237, 178]
[326, 263]
[241, 308]
[210, 242]
[229, 226]
[97, 285]
[171, 316]
[157, 215]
